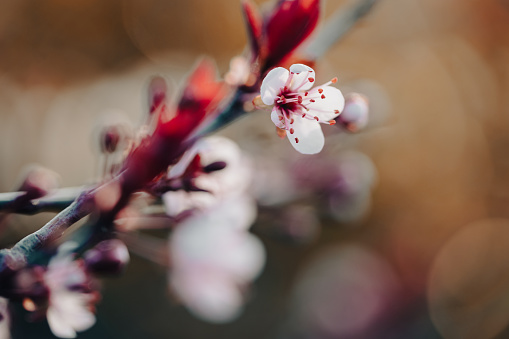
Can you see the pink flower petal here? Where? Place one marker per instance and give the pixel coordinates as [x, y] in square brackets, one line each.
[325, 108]
[274, 116]
[272, 84]
[209, 296]
[307, 137]
[301, 77]
[58, 327]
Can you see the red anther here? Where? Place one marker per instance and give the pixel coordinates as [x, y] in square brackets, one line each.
[299, 99]
[297, 140]
[334, 80]
[323, 96]
[306, 94]
[285, 89]
[311, 79]
[320, 90]
[336, 111]
[312, 100]
[303, 115]
[291, 131]
[292, 73]
[281, 118]
[316, 118]
[332, 122]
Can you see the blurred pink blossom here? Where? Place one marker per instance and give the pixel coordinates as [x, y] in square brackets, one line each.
[234, 179]
[214, 258]
[70, 306]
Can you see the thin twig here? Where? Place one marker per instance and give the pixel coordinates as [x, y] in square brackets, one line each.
[54, 228]
[54, 202]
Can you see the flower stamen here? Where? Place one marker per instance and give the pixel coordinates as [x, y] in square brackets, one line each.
[291, 93]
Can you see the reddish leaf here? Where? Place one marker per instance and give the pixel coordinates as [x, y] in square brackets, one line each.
[254, 25]
[290, 24]
[201, 96]
[202, 92]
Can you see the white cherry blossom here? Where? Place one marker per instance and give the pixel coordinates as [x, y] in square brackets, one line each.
[233, 179]
[69, 308]
[299, 109]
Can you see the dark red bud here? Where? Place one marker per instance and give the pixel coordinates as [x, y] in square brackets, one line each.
[110, 137]
[109, 257]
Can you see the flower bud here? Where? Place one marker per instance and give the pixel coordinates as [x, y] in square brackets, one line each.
[110, 137]
[38, 182]
[156, 93]
[109, 257]
[355, 115]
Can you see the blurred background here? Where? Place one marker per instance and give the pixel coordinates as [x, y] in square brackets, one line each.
[429, 259]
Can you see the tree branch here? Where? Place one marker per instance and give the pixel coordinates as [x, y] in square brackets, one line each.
[54, 202]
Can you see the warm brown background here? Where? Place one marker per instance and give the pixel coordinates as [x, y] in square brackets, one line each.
[437, 72]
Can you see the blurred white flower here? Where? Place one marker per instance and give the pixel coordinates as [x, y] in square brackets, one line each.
[214, 257]
[69, 309]
[299, 109]
[234, 179]
[238, 73]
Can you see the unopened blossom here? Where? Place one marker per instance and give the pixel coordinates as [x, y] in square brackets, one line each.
[109, 257]
[355, 115]
[70, 301]
[298, 109]
[274, 35]
[214, 258]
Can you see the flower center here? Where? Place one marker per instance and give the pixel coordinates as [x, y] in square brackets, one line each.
[295, 103]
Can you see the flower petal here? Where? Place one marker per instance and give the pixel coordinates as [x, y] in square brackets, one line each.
[274, 116]
[301, 76]
[325, 108]
[59, 327]
[210, 296]
[272, 84]
[180, 167]
[309, 135]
